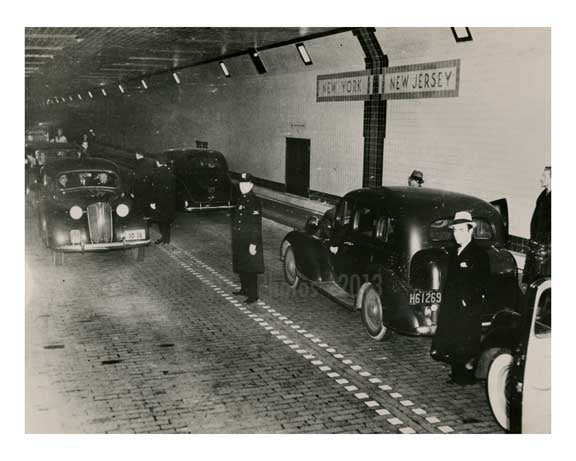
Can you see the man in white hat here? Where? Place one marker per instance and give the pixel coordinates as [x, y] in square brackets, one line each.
[457, 339]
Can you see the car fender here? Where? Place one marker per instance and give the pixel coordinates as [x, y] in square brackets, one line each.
[311, 256]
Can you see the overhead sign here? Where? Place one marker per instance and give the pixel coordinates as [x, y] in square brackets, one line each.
[346, 86]
[429, 80]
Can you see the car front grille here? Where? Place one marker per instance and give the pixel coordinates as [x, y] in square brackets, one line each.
[100, 222]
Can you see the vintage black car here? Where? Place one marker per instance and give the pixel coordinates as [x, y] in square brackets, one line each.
[384, 251]
[82, 206]
[519, 380]
[202, 178]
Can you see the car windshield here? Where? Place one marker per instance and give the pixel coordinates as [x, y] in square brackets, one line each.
[543, 321]
[94, 178]
[439, 230]
[206, 161]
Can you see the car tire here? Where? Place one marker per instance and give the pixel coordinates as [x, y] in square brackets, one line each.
[139, 253]
[496, 384]
[373, 314]
[289, 265]
[57, 258]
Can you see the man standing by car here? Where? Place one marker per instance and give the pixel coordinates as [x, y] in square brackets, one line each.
[163, 186]
[247, 254]
[538, 260]
[457, 339]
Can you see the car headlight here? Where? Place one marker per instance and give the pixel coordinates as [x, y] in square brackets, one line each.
[75, 212]
[122, 210]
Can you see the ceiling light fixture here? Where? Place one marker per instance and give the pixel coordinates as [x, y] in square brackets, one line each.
[144, 84]
[71, 98]
[121, 88]
[224, 69]
[103, 91]
[79, 97]
[176, 78]
[461, 34]
[28, 55]
[304, 54]
[90, 94]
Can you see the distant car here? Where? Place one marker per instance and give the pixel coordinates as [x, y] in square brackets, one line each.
[384, 251]
[202, 178]
[519, 377]
[82, 206]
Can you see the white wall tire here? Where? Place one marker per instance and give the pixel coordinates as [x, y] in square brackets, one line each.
[373, 315]
[496, 388]
[289, 266]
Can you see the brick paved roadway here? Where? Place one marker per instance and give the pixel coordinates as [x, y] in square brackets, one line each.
[115, 345]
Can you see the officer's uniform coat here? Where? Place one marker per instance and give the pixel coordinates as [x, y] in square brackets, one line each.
[164, 187]
[539, 258]
[457, 337]
[247, 230]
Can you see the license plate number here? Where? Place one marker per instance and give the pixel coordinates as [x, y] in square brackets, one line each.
[425, 297]
[136, 234]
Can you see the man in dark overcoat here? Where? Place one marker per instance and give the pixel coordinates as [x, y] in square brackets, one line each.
[164, 204]
[539, 257]
[141, 187]
[247, 254]
[457, 338]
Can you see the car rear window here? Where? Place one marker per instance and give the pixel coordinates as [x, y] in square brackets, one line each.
[439, 230]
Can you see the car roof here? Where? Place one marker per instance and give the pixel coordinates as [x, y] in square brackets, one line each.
[425, 203]
[198, 152]
[71, 164]
[43, 145]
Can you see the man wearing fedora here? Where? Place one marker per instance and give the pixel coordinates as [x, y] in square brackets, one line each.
[538, 260]
[247, 254]
[457, 338]
[416, 179]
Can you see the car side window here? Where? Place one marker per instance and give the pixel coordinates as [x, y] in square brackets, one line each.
[365, 219]
[543, 321]
[343, 213]
[385, 229]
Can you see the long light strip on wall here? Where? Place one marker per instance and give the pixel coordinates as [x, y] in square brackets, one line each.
[176, 78]
[304, 54]
[224, 69]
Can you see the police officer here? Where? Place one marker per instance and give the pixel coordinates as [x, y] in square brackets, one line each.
[416, 179]
[538, 260]
[457, 339]
[247, 254]
[164, 188]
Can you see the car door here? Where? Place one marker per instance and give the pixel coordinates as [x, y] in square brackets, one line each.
[536, 392]
[341, 243]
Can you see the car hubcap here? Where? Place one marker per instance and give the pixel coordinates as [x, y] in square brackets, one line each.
[373, 310]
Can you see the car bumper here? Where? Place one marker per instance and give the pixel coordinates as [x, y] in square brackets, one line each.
[86, 247]
[209, 206]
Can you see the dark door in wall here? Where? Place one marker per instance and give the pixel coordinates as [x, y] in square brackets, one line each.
[298, 166]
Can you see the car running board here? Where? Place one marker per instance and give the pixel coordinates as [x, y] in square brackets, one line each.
[335, 292]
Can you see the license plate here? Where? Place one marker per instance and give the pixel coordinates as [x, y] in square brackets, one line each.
[135, 234]
[425, 297]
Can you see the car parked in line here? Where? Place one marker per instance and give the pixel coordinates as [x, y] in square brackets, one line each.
[202, 178]
[519, 377]
[383, 251]
[82, 206]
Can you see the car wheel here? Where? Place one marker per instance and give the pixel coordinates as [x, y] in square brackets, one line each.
[57, 258]
[139, 253]
[290, 273]
[373, 315]
[496, 388]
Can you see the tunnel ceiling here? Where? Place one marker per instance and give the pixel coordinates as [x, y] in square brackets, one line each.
[64, 60]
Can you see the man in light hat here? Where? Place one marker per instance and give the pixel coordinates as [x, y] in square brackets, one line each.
[457, 338]
[416, 179]
[247, 254]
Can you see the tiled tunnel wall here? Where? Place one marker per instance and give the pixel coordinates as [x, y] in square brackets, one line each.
[491, 141]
